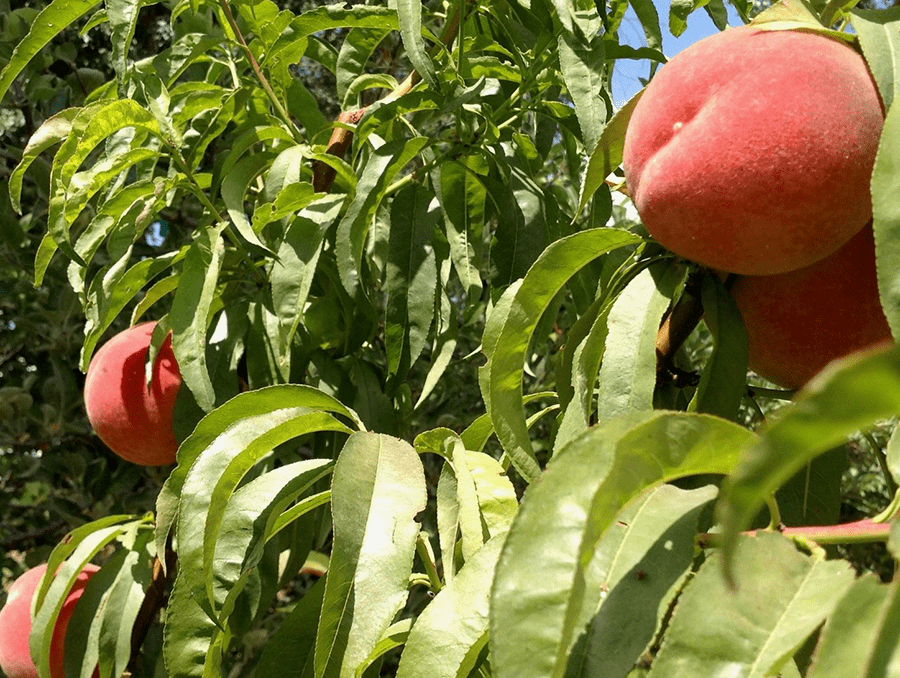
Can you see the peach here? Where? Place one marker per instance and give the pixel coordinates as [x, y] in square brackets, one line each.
[133, 420]
[798, 322]
[751, 151]
[15, 624]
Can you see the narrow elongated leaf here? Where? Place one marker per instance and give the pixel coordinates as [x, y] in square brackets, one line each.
[249, 517]
[356, 49]
[509, 328]
[880, 42]
[293, 271]
[189, 311]
[409, 14]
[850, 395]
[53, 590]
[607, 156]
[637, 563]
[583, 66]
[562, 519]
[51, 21]
[628, 372]
[410, 277]
[378, 488]
[234, 187]
[335, 16]
[451, 632]
[462, 200]
[53, 130]
[122, 15]
[215, 474]
[381, 168]
[289, 652]
[860, 638]
[886, 217]
[754, 629]
[214, 429]
[724, 378]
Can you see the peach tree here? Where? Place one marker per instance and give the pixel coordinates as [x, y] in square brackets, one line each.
[447, 408]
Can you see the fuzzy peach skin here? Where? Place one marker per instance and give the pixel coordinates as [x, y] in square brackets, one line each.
[135, 422]
[798, 322]
[751, 151]
[15, 624]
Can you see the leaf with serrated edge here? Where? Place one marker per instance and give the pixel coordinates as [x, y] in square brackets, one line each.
[508, 331]
[754, 629]
[859, 639]
[450, 633]
[849, 395]
[636, 569]
[880, 43]
[628, 373]
[378, 488]
[562, 518]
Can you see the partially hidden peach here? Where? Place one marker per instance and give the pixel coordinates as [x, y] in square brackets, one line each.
[798, 322]
[15, 624]
[133, 420]
[751, 151]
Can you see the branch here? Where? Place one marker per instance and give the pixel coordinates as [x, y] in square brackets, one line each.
[859, 532]
[342, 138]
[154, 600]
[677, 327]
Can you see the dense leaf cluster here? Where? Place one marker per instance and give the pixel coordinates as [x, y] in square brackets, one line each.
[445, 410]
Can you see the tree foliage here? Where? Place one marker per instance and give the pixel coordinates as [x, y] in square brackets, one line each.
[447, 410]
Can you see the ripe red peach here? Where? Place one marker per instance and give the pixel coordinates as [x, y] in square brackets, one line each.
[751, 151]
[133, 420]
[798, 322]
[15, 624]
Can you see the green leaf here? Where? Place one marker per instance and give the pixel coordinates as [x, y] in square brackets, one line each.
[754, 629]
[53, 590]
[355, 52]
[190, 308]
[289, 652]
[886, 217]
[649, 18]
[880, 42]
[607, 156]
[234, 186]
[860, 637]
[122, 15]
[383, 165]
[634, 574]
[723, 382]
[52, 20]
[214, 429]
[298, 256]
[628, 371]
[52, 131]
[562, 519]
[409, 14]
[215, 474]
[334, 16]
[849, 395]
[249, 518]
[410, 277]
[462, 197]
[378, 489]
[583, 66]
[509, 328]
[679, 11]
[395, 636]
[450, 633]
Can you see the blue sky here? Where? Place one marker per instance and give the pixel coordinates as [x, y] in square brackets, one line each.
[627, 73]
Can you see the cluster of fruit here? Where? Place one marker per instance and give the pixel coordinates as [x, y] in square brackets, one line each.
[751, 153]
